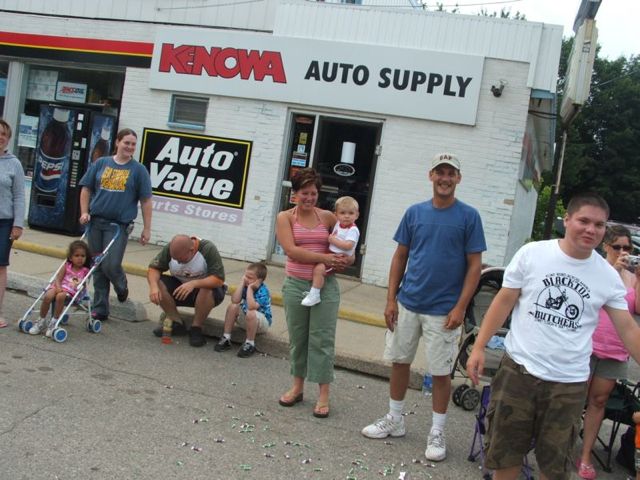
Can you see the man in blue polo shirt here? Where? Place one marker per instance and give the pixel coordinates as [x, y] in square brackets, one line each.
[433, 275]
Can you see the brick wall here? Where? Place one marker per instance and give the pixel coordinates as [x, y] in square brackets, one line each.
[490, 153]
[261, 122]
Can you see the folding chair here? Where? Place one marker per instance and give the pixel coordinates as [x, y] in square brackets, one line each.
[623, 401]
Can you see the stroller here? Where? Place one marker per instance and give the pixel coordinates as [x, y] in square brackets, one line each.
[477, 447]
[465, 395]
[81, 299]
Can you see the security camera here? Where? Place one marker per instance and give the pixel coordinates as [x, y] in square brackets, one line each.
[497, 91]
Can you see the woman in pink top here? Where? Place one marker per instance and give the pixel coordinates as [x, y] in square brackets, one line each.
[303, 233]
[609, 357]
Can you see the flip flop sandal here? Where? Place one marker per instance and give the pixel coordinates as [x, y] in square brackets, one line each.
[289, 400]
[3, 323]
[585, 470]
[319, 410]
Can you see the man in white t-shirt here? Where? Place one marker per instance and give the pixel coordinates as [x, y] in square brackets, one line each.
[196, 279]
[554, 290]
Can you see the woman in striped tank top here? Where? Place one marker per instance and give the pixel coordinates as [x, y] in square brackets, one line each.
[303, 233]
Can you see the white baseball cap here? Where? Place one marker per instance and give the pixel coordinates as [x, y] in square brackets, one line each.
[445, 158]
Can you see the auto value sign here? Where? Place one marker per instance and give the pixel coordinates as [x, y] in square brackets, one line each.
[370, 78]
[198, 168]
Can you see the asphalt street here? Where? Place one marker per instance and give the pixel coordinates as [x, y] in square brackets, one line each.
[120, 405]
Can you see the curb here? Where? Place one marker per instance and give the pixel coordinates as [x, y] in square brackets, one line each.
[130, 311]
[134, 311]
[279, 347]
[141, 271]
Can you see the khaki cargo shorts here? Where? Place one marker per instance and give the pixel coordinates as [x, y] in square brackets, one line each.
[263, 323]
[523, 408]
[440, 344]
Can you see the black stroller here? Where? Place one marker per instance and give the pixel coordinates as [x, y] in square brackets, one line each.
[465, 395]
[477, 446]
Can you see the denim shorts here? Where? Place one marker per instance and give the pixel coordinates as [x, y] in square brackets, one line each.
[6, 224]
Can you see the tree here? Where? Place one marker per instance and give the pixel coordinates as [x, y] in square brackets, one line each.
[504, 13]
[483, 12]
[603, 149]
[541, 209]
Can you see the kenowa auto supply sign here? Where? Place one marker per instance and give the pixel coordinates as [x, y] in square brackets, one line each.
[369, 78]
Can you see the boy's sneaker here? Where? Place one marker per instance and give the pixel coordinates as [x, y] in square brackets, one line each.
[246, 350]
[436, 447]
[311, 299]
[383, 427]
[223, 345]
[38, 327]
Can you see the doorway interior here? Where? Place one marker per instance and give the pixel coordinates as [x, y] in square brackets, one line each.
[344, 151]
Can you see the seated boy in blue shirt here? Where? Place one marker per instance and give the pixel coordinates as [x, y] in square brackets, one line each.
[250, 307]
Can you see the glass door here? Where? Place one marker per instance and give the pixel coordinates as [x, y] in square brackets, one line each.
[344, 151]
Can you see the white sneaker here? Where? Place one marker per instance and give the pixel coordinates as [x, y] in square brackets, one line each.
[383, 427]
[38, 327]
[311, 299]
[436, 447]
[50, 327]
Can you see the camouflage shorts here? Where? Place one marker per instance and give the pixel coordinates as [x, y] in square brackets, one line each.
[526, 412]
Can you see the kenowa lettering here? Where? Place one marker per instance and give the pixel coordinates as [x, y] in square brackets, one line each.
[222, 62]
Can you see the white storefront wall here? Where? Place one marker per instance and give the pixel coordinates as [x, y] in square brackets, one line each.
[490, 152]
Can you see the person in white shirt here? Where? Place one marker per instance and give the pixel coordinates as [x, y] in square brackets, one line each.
[555, 289]
[343, 240]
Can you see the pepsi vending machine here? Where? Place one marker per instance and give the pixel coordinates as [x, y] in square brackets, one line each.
[67, 138]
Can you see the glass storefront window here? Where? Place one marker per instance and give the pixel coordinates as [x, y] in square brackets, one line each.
[91, 90]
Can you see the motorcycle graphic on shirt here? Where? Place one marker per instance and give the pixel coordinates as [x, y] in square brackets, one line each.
[560, 302]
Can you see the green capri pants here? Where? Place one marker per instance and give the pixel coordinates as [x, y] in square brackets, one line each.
[312, 330]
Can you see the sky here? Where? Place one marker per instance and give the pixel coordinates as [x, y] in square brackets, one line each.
[617, 20]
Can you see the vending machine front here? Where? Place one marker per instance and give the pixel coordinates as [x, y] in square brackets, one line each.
[61, 153]
[102, 136]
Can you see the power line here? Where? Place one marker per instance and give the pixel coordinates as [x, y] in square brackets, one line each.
[617, 78]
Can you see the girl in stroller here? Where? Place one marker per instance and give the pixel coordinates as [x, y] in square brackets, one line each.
[65, 285]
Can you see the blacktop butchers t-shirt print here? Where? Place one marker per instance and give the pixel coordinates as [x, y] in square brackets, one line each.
[560, 302]
[114, 179]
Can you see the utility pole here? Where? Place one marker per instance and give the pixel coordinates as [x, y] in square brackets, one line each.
[577, 87]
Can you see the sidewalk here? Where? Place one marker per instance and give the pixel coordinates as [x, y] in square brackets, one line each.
[360, 330]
